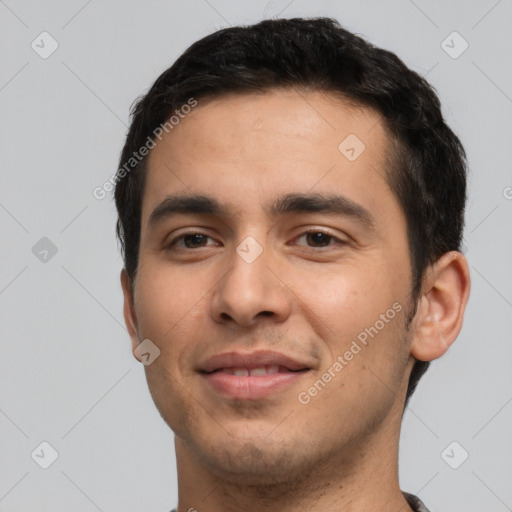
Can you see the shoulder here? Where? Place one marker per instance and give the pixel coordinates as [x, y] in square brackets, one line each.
[416, 504]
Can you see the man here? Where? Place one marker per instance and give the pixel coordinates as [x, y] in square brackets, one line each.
[290, 209]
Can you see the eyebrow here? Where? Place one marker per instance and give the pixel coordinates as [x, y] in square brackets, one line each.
[331, 204]
[285, 205]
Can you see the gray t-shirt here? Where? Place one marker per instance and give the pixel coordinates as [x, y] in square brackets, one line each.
[415, 503]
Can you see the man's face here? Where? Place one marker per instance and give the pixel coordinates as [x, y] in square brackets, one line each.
[248, 283]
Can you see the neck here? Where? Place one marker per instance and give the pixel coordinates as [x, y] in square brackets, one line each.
[349, 480]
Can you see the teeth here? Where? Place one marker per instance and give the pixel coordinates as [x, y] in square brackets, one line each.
[254, 372]
[258, 371]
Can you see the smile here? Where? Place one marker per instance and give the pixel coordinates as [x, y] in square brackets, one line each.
[240, 383]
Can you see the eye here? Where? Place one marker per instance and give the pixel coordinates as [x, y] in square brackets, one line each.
[189, 241]
[318, 238]
[314, 238]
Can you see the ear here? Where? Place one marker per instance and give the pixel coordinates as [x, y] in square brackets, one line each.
[130, 318]
[443, 302]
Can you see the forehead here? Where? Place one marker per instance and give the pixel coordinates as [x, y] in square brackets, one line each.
[258, 145]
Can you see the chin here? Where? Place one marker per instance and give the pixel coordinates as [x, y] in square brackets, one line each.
[250, 463]
[253, 457]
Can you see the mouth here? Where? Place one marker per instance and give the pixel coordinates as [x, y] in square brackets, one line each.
[261, 371]
[252, 376]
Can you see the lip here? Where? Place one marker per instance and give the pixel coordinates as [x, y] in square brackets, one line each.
[251, 387]
[256, 359]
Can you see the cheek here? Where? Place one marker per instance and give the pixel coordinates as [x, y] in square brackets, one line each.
[359, 313]
[347, 298]
[169, 307]
[170, 313]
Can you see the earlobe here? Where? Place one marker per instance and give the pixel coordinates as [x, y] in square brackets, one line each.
[443, 302]
[129, 310]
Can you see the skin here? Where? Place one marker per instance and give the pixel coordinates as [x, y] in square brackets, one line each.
[300, 297]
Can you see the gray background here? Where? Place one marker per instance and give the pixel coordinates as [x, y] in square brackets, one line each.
[67, 373]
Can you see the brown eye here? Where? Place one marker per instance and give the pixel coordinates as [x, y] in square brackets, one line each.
[315, 238]
[189, 241]
[318, 238]
[195, 240]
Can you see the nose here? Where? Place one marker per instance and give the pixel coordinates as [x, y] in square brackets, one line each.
[250, 291]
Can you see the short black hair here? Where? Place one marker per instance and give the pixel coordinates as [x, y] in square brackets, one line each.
[428, 175]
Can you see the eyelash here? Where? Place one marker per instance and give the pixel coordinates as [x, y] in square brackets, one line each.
[331, 237]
